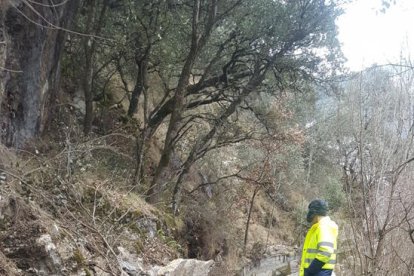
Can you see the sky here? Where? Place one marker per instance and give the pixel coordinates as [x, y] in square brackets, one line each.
[369, 36]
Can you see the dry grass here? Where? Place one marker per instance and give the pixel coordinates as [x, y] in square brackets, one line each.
[90, 210]
[7, 267]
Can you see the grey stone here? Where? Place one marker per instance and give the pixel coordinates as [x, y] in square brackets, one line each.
[53, 261]
[131, 264]
[149, 225]
[183, 267]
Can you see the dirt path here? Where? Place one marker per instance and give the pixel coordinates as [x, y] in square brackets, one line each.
[274, 265]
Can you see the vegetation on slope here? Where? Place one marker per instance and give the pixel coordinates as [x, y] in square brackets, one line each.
[190, 128]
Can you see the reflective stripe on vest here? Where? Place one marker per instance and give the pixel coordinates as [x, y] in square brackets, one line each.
[308, 261]
[327, 254]
[327, 244]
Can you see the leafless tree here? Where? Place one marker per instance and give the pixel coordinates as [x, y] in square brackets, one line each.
[376, 146]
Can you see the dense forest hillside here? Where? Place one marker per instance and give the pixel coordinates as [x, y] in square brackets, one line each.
[186, 137]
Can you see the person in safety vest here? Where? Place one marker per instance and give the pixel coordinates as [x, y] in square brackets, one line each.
[319, 248]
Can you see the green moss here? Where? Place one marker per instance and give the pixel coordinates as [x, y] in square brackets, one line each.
[95, 199]
[137, 213]
[169, 221]
[87, 272]
[139, 246]
[81, 261]
[90, 195]
[4, 224]
[78, 257]
[169, 241]
[179, 225]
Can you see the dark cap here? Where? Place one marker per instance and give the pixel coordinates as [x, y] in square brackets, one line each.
[317, 207]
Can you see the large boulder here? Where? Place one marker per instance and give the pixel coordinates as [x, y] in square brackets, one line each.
[130, 263]
[183, 267]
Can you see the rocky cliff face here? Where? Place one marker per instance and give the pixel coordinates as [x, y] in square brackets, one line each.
[31, 43]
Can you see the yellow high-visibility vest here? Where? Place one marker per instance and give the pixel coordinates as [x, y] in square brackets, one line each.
[320, 243]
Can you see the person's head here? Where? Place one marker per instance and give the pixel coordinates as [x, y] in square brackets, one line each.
[317, 208]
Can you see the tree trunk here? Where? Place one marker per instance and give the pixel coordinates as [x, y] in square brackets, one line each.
[246, 232]
[179, 104]
[141, 142]
[87, 87]
[140, 84]
[89, 45]
[198, 41]
[30, 51]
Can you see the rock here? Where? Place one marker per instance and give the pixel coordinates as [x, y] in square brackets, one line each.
[55, 232]
[52, 259]
[133, 265]
[130, 263]
[149, 225]
[183, 267]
